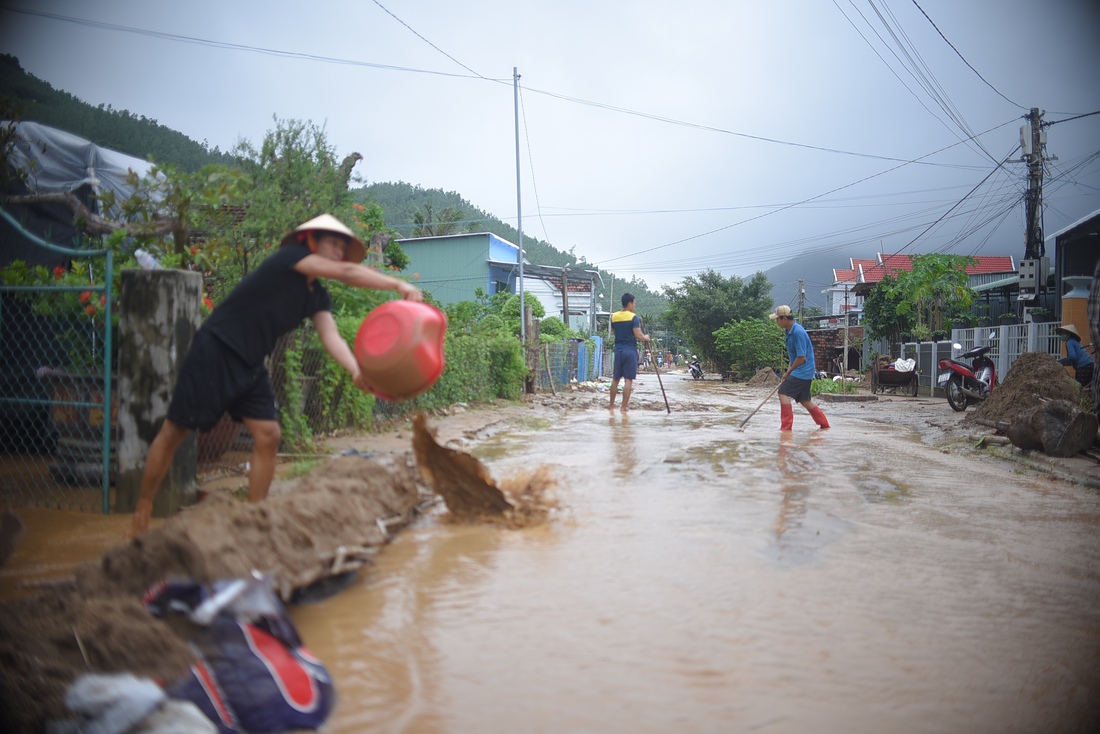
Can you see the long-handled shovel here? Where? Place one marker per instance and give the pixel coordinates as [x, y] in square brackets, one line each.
[758, 407]
[657, 371]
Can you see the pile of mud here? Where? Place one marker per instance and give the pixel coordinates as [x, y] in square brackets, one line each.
[309, 532]
[1032, 377]
[764, 377]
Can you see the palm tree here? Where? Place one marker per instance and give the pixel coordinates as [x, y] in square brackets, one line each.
[447, 222]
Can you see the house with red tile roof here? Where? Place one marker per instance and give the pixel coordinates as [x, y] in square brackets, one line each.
[851, 285]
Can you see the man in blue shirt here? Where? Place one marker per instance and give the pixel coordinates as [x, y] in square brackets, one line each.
[628, 332]
[799, 375]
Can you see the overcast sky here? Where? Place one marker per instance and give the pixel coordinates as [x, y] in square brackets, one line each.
[656, 138]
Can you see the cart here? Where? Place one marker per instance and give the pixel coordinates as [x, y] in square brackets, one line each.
[884, 377]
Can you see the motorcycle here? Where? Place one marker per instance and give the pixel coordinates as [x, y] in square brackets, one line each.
[967, 383]
[695, 368]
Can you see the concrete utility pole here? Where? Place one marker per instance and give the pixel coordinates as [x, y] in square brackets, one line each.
[565, 295]
[1033, 142]
[611, 307]
[519, 208]
[844, 357]
[801, 298]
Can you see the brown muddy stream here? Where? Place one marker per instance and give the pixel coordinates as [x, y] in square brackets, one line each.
[704, 579]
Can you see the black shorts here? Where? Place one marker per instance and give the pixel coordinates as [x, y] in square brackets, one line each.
[796, 389]
[215, 380]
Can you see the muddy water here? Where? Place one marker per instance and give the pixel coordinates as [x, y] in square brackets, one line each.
[710, 580]
[706, 579]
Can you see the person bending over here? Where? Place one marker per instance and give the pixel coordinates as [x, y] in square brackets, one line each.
[224, 368]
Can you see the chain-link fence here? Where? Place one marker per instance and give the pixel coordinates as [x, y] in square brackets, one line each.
[58, 410]
[569, 360]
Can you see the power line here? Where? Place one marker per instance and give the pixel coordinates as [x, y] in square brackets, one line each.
[425, 40]
[233, 46]
[1006, 99]
[799, 203]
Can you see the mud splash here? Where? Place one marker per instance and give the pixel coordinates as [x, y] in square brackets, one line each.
[472, 495]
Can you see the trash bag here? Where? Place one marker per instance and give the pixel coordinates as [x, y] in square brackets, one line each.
[253, 673]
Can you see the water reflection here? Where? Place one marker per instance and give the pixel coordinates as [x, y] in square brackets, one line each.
[623, 446]
[795, 463]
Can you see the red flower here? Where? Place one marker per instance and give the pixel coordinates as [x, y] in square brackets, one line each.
[59, 272]
[85, 296]
[90, 309]
[103, 300]
[194, 251]
[208, 303]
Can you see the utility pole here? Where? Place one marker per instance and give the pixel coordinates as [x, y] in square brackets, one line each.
[1034, 143]
[844, 357]
[611, 307]
[801, 298]
[1035, 266]
[565, 295]
[519, 209]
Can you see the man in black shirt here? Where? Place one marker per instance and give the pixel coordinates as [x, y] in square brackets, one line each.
[224, 369]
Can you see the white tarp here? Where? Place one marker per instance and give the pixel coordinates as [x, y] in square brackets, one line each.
[59, 161]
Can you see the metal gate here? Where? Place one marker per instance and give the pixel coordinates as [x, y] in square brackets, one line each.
[58, 413]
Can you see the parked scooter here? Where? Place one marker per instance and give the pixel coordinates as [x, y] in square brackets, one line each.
[965, 383]
[695, 368]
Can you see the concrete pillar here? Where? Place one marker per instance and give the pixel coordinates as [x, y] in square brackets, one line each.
[159, 313]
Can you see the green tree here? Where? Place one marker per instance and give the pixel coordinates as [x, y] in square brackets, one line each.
[428, 224]
[297, 176]
[703, 304]
[885, 316]
[748, 345]
[936, 286]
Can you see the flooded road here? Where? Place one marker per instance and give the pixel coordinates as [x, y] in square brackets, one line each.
[705, 579]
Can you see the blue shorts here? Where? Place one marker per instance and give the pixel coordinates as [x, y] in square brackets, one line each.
[213, 380]
[626, 364]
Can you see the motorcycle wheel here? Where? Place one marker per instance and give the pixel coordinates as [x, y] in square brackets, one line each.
[956, 398]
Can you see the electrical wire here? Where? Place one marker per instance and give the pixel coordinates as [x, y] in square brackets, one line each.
[959, 54]
[425, 40]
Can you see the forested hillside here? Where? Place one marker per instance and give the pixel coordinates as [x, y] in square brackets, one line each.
[26, 97]
[402, 203]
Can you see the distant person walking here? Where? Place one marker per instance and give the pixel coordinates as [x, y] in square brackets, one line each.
[800, 373]
[1076, 355]
[628, 332]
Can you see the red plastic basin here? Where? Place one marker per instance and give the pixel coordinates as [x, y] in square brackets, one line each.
[399, 348]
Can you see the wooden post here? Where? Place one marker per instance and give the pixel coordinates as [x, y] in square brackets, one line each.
[549, 374]
[158, 317]
[530, 349]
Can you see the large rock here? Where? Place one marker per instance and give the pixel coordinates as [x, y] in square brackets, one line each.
[1055, 427]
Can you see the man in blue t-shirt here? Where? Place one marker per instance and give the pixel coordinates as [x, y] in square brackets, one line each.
[628, 332]
[799, 375]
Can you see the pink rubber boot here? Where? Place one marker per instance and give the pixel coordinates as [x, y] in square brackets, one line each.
[786, 416]
[819, 417]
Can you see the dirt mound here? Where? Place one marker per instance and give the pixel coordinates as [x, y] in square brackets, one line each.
[308, 534]
[98, 623]
[764, 377]
[1033, 376]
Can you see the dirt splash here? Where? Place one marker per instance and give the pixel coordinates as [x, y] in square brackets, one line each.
[472, 495]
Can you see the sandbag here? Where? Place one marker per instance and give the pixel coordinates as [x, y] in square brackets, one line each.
[253, 674]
